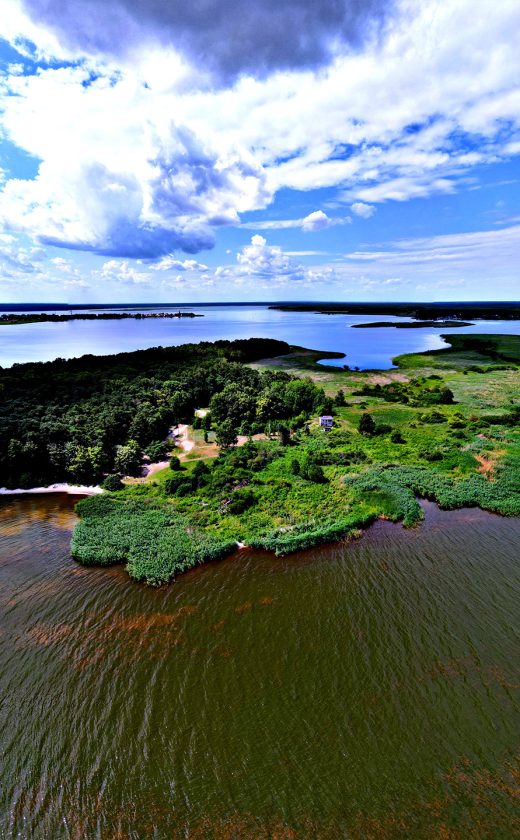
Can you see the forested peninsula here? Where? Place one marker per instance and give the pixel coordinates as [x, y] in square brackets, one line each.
[452, 310]
[16, 319]
[260, 470]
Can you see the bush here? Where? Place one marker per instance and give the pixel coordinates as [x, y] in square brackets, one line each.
[396, 437]
[367, 425]
[241, 500]
[112, 483]
[314, 472]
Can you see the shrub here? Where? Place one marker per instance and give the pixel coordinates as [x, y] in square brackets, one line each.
[175, 464]
[112, 483]
[241, 500]
[396, 437]
[367, 425]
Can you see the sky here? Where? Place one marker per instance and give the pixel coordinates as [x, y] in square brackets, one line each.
[223, 150]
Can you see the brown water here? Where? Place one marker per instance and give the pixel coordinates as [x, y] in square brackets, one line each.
[368, 690]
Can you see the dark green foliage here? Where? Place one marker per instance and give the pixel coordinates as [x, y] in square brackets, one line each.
[241, 499]
[367, 425]
[396, 437]
[175, 464]
[226, 434]
[417, 392]
[284, 435]
[339, 399]
[156, 450]
[112, 483]
[295, 467]
[64, 420]
[128, 458]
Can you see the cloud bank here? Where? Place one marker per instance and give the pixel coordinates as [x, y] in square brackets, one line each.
[226, 38]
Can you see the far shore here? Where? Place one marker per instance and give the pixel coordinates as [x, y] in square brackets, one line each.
[71, 489]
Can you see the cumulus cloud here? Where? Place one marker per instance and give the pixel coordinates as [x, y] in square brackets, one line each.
[225, 37]
[138, 159]
[117, 177]
[362, 209]
[169, 263]
[269, 264]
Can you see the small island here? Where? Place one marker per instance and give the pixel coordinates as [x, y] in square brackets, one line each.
[205, 447]
[16, 319]
[413, 325]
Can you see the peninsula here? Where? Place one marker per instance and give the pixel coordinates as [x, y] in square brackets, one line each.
[255, 466]
[490, 311]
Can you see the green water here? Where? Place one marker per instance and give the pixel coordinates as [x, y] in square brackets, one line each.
[368, 690]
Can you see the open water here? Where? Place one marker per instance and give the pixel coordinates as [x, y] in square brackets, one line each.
[363, 690]
[366, 348]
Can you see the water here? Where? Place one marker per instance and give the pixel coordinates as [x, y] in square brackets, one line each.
[367, 690]
[367, 348]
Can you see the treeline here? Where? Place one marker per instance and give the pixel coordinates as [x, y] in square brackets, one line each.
[80, 419]
[493, 311]
[44, 317]
[421, 391]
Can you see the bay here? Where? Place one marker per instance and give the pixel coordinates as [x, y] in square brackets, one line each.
[367, 348]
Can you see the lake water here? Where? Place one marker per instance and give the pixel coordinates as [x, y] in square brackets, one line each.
[364, 690]
[366, 348]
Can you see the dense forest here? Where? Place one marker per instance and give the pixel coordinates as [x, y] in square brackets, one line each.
[422, 311]
[80, 419]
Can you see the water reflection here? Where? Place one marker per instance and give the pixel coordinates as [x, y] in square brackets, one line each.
[367, 348]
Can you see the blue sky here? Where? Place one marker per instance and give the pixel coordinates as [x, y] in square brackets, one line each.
[358, 150]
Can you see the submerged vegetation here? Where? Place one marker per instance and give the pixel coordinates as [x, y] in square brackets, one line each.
[444, 426]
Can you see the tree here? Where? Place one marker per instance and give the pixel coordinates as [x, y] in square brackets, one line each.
[295, 467]
[446, 396]
[315, 473]
[175, 464]
[155, 450]
[367, 424]
[225, 434]
[339, 398]
[112, 483]
[128, 458]
[284, 435]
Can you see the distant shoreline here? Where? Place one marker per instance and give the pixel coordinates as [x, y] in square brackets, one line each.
[491, 311]
[411, 325]
[16, 319]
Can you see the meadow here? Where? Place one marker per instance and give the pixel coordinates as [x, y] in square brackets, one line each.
[442, 425]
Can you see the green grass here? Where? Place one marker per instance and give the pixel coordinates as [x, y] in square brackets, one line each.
[465, 454]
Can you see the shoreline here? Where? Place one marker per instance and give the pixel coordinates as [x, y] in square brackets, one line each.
[70, 489]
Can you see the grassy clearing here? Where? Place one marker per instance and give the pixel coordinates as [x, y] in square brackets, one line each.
[320, 486]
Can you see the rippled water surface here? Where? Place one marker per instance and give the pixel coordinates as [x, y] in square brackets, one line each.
[366, 348]
[366, 690]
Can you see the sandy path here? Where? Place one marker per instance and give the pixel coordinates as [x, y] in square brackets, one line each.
[181, 437]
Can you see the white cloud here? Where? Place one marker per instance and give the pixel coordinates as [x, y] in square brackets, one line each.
[315, 221]
[169, 263]
[141, 159]
[362, 209]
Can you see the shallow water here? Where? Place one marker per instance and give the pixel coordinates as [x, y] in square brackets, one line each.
[367, 348]
[363, 690]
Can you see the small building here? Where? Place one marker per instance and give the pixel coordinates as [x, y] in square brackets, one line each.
[326, 422]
